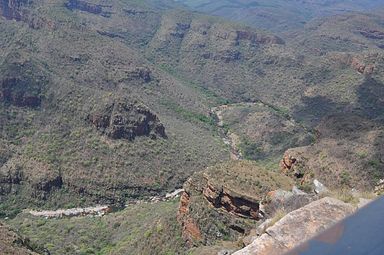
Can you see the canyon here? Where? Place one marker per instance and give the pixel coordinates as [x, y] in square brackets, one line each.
[120, 104]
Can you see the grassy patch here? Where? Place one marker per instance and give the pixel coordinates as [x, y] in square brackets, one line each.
[138, 229]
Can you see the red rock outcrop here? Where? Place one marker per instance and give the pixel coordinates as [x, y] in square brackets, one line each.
[293, 167]
[13, 10]
[19, 92]
[20, 89]
[224, 200]
[191, 232]
[237, 204]
[357, 63]
[141, 73]
[287, 163]
[361, 67]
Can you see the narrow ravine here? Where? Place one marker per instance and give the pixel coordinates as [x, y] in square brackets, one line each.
[229, 138]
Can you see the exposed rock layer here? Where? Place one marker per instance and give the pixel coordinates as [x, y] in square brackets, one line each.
[234, 203]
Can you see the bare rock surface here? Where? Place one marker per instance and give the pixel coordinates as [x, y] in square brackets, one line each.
[123, 120]
[298, 226]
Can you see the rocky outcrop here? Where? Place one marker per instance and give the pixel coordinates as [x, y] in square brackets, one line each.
[361, 67]
[292, 166]
[232, 202]
[13, 10]
[299, 226]
[373, 34]
[123, 120]
[190, 231]
[74, 212]
[88, 7]
[180, 29]
[357, 63]
[23, 82]
[379, 188]
[134, 12]
[140, 73]
[224, 200]
[238, 36]
[287, 163]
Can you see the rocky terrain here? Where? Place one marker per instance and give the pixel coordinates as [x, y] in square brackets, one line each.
[120, 101]
[298, 226]
[235, 190]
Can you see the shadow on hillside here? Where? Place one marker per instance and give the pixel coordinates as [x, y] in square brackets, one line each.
[313, 109]
[371, 99]
[357, 128]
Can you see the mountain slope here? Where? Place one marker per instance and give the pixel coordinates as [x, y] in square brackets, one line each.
[86, 119]
[281, 15]
[108, 102]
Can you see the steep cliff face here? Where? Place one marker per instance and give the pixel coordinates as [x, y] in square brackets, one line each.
[190, 230]
[224, 200]
[237, 204]
[214, 41]
[88, 7]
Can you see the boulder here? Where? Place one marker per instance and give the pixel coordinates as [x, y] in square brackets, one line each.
[319, 187]
[298, 226]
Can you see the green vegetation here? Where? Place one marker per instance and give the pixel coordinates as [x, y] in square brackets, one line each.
[64, 71]
[278, 215]
[209, 94]
[188, 115]
[138, 229]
